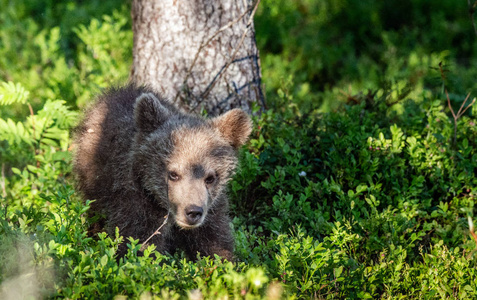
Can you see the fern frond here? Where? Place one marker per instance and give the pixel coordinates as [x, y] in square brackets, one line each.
[12, 93]
[58, 112]
[14, 133]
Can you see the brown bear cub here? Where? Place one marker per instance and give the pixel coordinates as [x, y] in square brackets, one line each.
[141, 159]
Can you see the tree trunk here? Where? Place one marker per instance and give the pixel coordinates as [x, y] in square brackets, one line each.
[198, 54]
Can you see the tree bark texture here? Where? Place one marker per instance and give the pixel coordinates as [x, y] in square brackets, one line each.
[198, 53]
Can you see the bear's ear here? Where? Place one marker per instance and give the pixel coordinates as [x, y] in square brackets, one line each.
[149, 113]
[235, 126]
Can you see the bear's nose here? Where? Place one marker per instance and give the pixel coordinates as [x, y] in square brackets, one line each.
[193, 214]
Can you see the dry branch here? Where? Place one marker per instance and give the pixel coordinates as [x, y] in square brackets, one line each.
[157, 232]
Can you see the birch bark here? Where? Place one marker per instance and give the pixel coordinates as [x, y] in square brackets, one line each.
[199, 53]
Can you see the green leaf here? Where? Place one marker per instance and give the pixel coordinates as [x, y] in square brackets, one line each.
[361, 188]
[338, 271]
[104, 260]
[12, 93]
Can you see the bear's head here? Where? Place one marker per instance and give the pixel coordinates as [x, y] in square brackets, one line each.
[183, 161]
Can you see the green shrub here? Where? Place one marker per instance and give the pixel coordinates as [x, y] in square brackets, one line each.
[370, 182]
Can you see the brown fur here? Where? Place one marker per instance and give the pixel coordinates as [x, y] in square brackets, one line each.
[140, 159]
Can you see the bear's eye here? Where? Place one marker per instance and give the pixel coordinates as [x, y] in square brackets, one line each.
[173, 176]
[210, 179]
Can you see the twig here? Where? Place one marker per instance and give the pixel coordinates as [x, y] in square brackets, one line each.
[32, 119]
[205, 43]
[461, 111]
[471, 229]
[4, 191]
[454, 141]
[232, 58]
[157, 232]
[201, 98]
[37, 146]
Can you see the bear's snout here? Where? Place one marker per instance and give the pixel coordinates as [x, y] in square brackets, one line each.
[193, 214]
